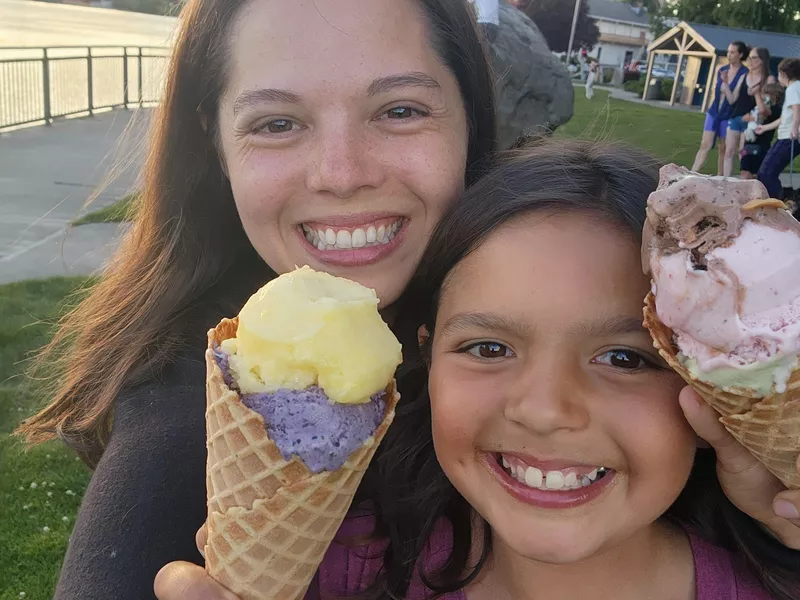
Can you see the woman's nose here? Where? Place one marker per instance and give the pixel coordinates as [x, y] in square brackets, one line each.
[343, 161]
[548, 399]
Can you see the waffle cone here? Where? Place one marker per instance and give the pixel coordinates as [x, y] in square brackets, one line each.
[769, 427]
[270, 521]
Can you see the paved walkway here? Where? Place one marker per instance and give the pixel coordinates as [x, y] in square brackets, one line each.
[46, 176]
[622, 94]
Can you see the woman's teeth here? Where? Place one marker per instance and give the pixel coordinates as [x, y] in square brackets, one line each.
[344, 239]
[551, 480]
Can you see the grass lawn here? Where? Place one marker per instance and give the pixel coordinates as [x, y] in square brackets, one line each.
[40, 490]
[671, 135]
[113, 213]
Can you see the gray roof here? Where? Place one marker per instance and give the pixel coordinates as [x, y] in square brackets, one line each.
[616, 10]
[780, 45]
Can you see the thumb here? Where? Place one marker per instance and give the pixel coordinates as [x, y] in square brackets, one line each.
[187, 581]
[731, 455]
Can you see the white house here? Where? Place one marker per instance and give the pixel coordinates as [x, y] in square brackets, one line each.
[624, 32]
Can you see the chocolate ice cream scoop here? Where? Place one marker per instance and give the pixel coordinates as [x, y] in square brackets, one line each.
[694, 212]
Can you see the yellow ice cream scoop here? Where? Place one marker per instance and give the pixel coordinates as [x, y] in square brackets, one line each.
[309, 328]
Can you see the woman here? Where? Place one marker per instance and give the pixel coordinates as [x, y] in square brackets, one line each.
[361, 121]
[280, 117]
[726, 92]
[743, 103]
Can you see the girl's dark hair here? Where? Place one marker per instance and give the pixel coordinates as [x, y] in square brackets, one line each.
[406, 487]
[187, 245]
[741, 48]
[791, 68]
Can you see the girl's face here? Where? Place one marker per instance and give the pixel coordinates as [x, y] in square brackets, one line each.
[542, 377]
[343, 134]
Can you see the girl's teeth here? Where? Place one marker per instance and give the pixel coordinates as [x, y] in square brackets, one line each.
[329, 239]
[550, 480]
[554, 480]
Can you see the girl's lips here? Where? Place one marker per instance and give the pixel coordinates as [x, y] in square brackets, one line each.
[355, 257]
[547, 498]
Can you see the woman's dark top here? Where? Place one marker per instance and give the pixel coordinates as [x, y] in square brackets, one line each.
[744, 103]
[146, 499]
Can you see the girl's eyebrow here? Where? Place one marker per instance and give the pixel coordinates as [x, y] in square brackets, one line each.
[598, 328]
[608, 327]
[491, 321]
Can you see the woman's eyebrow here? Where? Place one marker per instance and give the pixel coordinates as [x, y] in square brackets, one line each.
[382, 85]
[263, 95]
[486, 321]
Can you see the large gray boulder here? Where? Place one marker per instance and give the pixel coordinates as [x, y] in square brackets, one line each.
[533, 87]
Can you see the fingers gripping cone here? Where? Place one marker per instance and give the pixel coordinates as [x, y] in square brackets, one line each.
[270, 521]
[768, 427]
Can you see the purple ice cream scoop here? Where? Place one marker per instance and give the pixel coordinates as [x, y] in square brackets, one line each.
[307, 424]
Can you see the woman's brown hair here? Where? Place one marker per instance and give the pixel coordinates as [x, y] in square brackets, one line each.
[187, 237]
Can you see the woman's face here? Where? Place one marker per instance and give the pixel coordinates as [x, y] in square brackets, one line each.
[542, 378]
[343, 134]
[754, 60]
[734, 56]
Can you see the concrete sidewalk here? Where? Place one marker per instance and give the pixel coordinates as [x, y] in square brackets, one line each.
[46, 176]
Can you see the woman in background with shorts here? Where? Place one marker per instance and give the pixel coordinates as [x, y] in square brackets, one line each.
[721, 108]
[742, 103]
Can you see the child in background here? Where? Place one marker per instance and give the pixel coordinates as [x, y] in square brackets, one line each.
[786, 147]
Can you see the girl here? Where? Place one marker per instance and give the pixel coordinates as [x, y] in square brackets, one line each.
[548, 455]
[720, 109]
[594, 69]
[744, 99]
[757, 145]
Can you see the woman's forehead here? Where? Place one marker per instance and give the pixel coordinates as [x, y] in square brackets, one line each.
[328, 41]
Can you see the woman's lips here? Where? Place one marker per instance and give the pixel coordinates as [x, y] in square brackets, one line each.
[550, 498]
[365, 244]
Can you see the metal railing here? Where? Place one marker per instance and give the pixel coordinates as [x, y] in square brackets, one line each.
[38, 85]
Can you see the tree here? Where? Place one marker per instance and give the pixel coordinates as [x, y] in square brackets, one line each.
[554, 19]
[781, 16]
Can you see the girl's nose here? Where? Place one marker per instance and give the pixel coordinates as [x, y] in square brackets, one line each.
[343, 161]
[548, 398]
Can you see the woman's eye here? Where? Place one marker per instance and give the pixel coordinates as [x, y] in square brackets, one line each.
[402, 112]
[489, 350]
[622, 359]
[277, 126]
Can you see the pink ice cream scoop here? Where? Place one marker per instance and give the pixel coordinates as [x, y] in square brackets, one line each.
[725, 265]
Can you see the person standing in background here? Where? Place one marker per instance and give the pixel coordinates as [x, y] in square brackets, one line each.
[488, 14]
[721, 109]
[787, 147]
[743, 99]
[594, 68]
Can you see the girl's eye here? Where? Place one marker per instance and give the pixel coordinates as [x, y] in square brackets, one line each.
[622, 359]
[402, 112]
[277, 126]
[489, 350]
